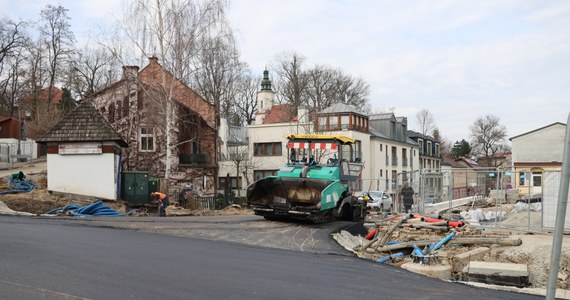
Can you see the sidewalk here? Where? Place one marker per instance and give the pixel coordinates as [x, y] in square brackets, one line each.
[36, 166]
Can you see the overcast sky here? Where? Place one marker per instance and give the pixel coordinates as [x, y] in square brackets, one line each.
[458, 59]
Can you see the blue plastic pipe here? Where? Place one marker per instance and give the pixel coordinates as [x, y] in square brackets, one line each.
[417, 251]
[443, 241]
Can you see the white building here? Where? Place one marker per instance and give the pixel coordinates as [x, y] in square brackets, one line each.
[83, 155]
[535, 152]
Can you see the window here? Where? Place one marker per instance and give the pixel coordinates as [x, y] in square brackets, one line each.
[522, 177]
[333, 122]
[428, 148]
[233, 181]
[536, 178]
[322, 123]
[380, 147]
[260, 174]
[140, 101]
[112, 113]
[421, 145]
[195, 147]
[358, 150]
[146, 139]
[126, 105]
[267, 149]
[119, 109]
[344, 122]
[436, 149]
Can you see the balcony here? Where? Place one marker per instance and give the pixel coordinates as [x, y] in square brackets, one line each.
[194, 159]
[394, 160]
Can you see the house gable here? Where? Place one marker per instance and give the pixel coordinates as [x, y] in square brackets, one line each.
[154, 75]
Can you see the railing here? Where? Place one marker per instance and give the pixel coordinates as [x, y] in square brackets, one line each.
[394, 160]
[404, 162]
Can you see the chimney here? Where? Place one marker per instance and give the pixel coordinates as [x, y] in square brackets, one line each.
[153, 60]
[130, 72]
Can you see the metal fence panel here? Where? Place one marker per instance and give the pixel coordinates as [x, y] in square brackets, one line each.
[550, 193]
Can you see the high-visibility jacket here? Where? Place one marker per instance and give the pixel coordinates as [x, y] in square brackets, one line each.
[161, 196]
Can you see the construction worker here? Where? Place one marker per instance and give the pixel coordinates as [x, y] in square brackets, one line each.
[162, 203]
[20, 176]
[407, 193]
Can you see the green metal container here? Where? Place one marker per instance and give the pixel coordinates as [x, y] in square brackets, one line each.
[135, 189]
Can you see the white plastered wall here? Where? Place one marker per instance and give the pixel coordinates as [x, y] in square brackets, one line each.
[83, 174]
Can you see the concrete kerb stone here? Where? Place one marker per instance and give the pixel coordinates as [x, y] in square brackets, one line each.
[497, 273]
[459, 261]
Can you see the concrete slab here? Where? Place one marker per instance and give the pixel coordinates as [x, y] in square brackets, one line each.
[442, 271]
[497, 273]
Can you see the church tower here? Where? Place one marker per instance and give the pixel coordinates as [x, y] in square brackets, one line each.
[265, 98]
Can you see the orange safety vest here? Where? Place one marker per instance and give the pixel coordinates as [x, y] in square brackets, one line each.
[161, 196]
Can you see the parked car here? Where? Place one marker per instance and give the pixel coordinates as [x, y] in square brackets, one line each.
[378, 200]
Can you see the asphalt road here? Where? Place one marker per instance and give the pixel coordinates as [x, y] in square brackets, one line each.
[243, 229]
[64, 259]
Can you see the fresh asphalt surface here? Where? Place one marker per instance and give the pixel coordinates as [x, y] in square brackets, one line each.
[64, 259]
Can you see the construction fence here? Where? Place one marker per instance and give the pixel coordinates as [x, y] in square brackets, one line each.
[189, 198]
[485, 194]
[14, 152]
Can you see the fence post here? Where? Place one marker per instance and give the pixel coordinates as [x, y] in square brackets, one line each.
[560, 216]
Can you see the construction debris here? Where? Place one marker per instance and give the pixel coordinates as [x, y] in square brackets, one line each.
[424, 244]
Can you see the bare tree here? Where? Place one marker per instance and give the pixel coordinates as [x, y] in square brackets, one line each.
[92, 69]
[12, 84]
[488, 138]
[425, 121]
[172, 31]
[59, 39]
[246, 98]
[219, 68]
[318, 87]
[13, 40]
[444, 144]
[321, 81]
[291, 86]
[350, 90]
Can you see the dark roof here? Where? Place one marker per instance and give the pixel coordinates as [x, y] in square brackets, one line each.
[83, 124]
[557, 123]
[413, 134]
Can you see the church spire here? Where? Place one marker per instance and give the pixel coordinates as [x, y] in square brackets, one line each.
[266, 83]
